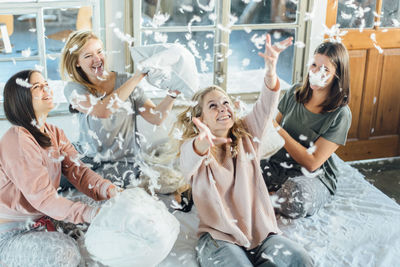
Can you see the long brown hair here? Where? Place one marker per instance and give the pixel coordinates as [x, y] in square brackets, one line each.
[69, 59]
[18, 106]
[339, 94]
[185, 124]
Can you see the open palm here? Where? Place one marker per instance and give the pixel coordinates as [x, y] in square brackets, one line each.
[206, 138]
[271, 53]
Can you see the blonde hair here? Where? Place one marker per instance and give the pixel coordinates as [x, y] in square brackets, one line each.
[184, 120]
[70, 55]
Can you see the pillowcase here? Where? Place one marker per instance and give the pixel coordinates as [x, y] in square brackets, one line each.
[271, 142]
[132, 229]
[168, 66]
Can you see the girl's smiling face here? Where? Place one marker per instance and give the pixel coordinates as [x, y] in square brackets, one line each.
[42, 95]
[91, 59]
[217, 113]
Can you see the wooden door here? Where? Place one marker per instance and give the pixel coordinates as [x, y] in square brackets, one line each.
[374, 51]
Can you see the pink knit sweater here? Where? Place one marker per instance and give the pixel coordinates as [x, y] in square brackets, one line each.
[30, 176]
[232, 200]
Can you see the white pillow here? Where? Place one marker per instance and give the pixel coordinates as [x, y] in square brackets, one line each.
[168, 66]
[132, 229]
[271, 142]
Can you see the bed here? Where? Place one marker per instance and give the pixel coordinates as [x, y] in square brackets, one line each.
[359, 227]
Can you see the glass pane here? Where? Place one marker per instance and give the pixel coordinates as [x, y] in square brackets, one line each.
[53, 63]
[157, 13]
[9, 68]
[391, 13]
[356, 13]
[21, 31]
[246, 67]
[200, 45]
[255, 12]
[59, 23]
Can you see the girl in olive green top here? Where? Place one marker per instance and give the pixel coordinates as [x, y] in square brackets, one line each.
[314, 120]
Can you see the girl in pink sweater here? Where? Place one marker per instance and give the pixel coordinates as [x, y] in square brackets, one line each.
[32, 156]
[220, 159]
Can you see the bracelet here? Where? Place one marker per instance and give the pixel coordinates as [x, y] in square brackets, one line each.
[172, 95]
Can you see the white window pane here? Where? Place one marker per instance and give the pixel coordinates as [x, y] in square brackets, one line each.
[355, 14]
[246, 67]
[391, 13]
[22, 35]
[9, 68]
[59, 23]
[177, 13]
[53, 63]
[257, 12]
[200, 44]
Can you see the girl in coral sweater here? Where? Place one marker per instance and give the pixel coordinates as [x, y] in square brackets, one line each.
[33, 154]
[220, 159]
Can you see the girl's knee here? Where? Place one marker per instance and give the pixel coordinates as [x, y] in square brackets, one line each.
[301, 258]
[292, 199]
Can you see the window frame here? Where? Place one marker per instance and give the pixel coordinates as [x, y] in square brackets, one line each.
[222, 9]
[37, 8]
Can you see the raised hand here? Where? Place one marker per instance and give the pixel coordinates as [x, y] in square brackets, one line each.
[205, 140]
[173, 93]
[272, 52]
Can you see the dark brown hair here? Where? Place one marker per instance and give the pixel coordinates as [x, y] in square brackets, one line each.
[18, 106]
[339, 94]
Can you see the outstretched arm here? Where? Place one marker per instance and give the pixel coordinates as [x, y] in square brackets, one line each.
[265, 107]
[103, 107]
[205, 140]
[311, 159]
[271, 55]
[157, 114]
[194, 151]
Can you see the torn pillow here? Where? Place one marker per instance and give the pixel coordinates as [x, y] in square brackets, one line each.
[168, 66]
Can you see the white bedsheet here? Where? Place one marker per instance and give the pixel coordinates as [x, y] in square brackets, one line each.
[359, 227]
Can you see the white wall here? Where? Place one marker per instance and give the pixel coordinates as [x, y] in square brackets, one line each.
[113, 10]
[316, 32]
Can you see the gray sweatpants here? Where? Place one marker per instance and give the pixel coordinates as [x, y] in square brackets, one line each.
[301, 196]
[275, 250]
[20, 246]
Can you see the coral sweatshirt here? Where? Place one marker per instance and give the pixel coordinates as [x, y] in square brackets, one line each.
[30, 176]
[231, 198]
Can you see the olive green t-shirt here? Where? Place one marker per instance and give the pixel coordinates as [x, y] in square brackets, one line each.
[306, 127]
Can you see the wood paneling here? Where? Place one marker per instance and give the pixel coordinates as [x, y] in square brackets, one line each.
[370, 94]
[354, 39]
[378, 147]
[388, 111]
[375, 88]
[357, 70]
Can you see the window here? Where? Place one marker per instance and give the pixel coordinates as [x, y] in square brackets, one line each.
[356, 14]
[226, 36]
[36, 32]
